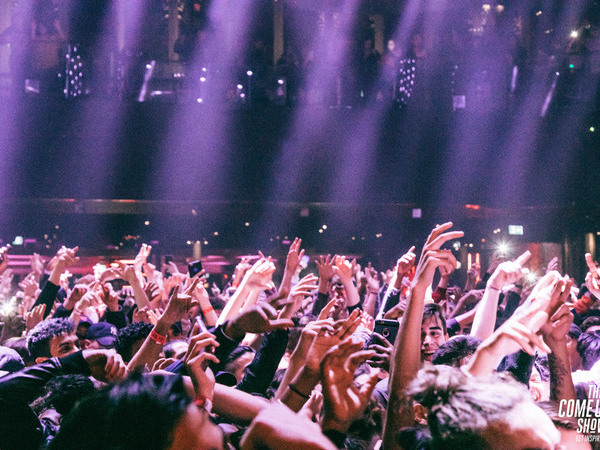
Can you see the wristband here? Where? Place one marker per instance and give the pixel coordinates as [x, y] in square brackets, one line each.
[493, 288]
[159, 339]
[295, 390]
[207, 310]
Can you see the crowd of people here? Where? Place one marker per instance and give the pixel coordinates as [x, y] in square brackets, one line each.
[130, 356]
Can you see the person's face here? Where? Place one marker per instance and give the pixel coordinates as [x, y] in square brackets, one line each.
[432, 336]
[63, 345]
[195, 430]
[525, 427]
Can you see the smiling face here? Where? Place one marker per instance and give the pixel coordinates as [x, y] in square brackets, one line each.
[432, 336]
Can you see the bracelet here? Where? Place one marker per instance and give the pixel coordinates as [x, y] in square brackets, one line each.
[158, 338]
[493, 288]
[207, 310]
[295, 390]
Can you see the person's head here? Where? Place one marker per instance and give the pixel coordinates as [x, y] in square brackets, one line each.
[52, 338]
[144, 411]
[433, 331]
[101, 335]
[588, 347]
[63, 392]
[456, 351]
[468, 412]
[175, 349]
[566, 425]
[591, 324]
[238, 360]
[131, 338]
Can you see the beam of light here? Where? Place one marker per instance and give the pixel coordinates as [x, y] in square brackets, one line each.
[196, 161]
[143, 95]
[293, 174]
[550, 95]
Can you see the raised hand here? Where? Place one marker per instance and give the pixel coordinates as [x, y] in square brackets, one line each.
[196, 361]
[257, 319]
[372, 279]
[592, 279]
[304, 288]
[260, 275]
[35, 316]
[29, 285]
[325, 267]
[343, 268]
[509, 272]
[343, 401]
[141, 258]
[406, 262]
[328, 336]
[294, 256]
[383, 352]
[432, 257]
[178, 306]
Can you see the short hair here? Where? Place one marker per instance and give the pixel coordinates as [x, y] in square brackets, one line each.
[63, 392]
[128, 336]
[454, 349]
[588, 347]
[238, 353]
[168, 348]
[460, 407]
[434, 310]
[592, 321]
[38, 338]
[139, 412]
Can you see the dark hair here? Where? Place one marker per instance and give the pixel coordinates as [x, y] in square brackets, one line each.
[19, 344]
[434, 310]
[560, 420]
[168, 348]
[237, 353]
[542, 366]
[38, 338]
[588, 347]
[593, 321]
[140, 412]
[454, 349]
[128, 336]
[460, 407]
[63, 392]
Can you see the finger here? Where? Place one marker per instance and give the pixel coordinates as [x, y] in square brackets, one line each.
[279, 324]
[383, 339]
[326, 310]
[360, 357]
[521, 260]
[443, 238]
[366, 390]
[590, 263]
[269, 310]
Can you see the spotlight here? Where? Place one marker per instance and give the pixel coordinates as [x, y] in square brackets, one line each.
[249, 73]
[486, 7]
[280, 81]
[240, 87]
[531, 277]
[574, 34]
[592, 129]
[503, 248]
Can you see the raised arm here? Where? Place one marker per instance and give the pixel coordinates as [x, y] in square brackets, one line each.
[407, 355]
[506, 273]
